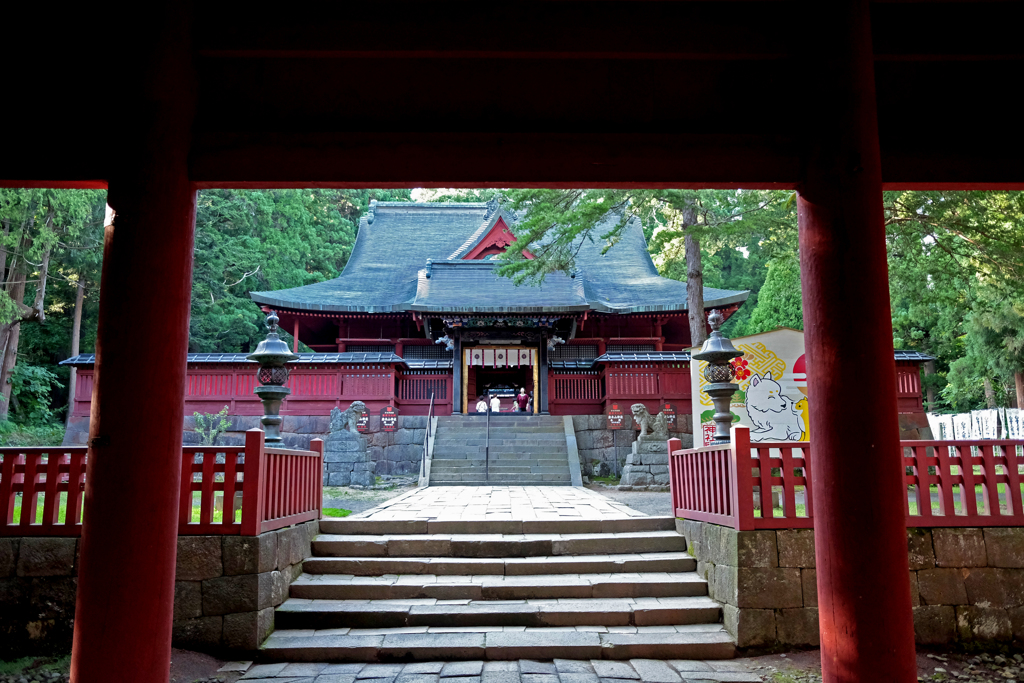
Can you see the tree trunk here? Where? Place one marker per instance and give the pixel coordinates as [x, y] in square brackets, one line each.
[929, 370]
[76, 339]
[694, 279]
[3, 250]
[1018, 380]
[10, 359]
[990, 394]
[16, 290]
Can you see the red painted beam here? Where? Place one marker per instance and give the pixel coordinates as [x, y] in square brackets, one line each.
[865, 617]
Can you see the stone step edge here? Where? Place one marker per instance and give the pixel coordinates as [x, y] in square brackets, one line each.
[371, 527]
[501, 482]
[605, 612]
[501, 566]
[489, 587]
[499, 645]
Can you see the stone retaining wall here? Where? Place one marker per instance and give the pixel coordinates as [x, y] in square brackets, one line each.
[600, 447]
[225, 591]
[967, 584]
[395, 453]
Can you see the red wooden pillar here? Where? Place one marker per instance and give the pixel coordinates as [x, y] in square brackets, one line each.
[865, 615]
[125, 599]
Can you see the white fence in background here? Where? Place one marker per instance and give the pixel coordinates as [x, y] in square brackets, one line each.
[996, 423]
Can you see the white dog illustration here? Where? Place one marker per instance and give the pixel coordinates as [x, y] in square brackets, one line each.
[773, 415]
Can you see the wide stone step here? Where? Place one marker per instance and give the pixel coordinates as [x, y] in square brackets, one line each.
[694, 641]
[480, 442]
[497, 462]
[496, 545]
[507, 482]
[322, 614]
[498, 587]
[456, 465]
[479, 479]
[503, 432]
[496, 451]
[494, 471]
[508, 566]
[573, 527]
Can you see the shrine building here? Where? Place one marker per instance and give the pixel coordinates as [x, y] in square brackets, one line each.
[420, 320]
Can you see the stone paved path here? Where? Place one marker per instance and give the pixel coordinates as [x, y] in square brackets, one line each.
[500, 503]
[521, 671]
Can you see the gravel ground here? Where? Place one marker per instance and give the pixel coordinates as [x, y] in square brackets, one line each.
[358, 500]
[654, 503]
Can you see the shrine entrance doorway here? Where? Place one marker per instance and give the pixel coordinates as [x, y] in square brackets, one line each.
[501, 370]
[501, 382]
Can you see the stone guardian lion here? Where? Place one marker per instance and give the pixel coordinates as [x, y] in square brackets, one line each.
[652, 427]
[349, 419]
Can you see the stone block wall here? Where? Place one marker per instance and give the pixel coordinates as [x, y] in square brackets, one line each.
[396, 453]
[600, 447]
[225, 591]
[967, 584]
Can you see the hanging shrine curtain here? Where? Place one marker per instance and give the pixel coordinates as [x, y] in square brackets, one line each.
[500, 356]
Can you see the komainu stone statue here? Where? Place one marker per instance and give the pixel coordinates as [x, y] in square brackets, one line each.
[652, 427]
[647, 464]
[349, 419]
[346, 461]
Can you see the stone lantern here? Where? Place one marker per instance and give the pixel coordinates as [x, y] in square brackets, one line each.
[272, 354]
[718, 351]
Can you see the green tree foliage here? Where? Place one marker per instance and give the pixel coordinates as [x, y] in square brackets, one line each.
[956, 273]
[260, 240]
[52, 240]
[779, 303]
[737, 233]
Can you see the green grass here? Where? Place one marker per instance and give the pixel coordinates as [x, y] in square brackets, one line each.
[606, 480]
[218, 512]
[61, 664]
[801, 510]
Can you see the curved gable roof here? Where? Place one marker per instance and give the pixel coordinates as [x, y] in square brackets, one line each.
[387, 270]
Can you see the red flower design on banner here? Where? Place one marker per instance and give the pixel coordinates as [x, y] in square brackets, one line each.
[739, 366]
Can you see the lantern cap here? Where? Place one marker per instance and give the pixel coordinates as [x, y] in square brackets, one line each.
[272, 350]
[716, 348]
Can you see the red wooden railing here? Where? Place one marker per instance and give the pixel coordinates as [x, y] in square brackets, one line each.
[976, 483]
[52, 474]
[315, 388]
[253, 489]
[576, 388]
[421, 388]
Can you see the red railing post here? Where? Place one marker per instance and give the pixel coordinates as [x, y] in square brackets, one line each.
[317, 446]
[253, 484]
[674, 485]
[742, 481]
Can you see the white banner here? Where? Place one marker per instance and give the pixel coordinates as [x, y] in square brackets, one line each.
[997, 423]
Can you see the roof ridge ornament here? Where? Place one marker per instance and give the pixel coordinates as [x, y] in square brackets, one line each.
[371, 213]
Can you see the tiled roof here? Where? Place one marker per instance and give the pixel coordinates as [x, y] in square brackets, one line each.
[388, 271]
[912, 355]
[646, 357]
[571, 364]
[473, 287]
[428, 363]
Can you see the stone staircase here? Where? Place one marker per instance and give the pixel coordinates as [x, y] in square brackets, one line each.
[422, 590]
[524, 450]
